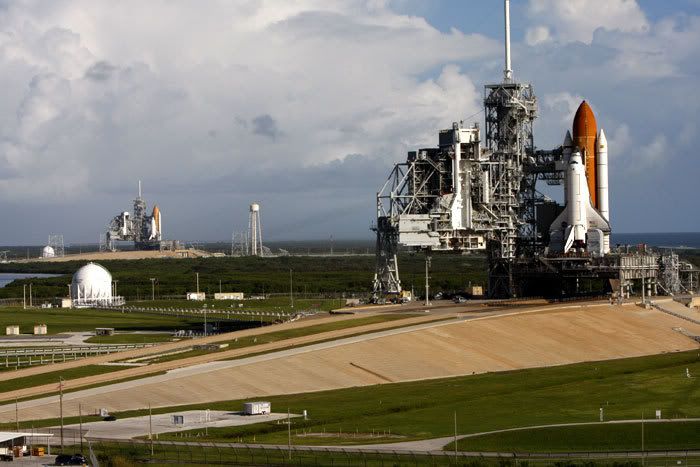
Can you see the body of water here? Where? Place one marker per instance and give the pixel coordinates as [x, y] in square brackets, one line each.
[7, 277]
[673, 240]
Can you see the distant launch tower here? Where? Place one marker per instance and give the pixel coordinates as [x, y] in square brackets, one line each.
[144, 230]
[255, 230]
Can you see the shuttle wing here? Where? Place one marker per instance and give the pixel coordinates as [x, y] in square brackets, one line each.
[596, 220]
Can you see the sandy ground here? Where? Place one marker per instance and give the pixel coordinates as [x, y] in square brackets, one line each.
[544, 336]
[113, 255]
[200, 359]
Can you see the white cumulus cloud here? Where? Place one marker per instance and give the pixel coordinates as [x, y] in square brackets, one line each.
[577, 20]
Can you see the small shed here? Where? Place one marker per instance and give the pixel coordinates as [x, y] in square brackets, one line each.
[199, 296]
[64, 302]
[104, 331]
[256, 408]
[12, 330]
[228, 296]
[15, 443]
[40, 329]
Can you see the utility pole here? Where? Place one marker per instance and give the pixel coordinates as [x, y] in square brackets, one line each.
[205, 322]
[153, 288]
[197, 282]
[291, 289]
[150, 427]
[289, 433]
[643, 456]
[17, 413]
[455, 436]
[80, 415]
[219, 285]
[116, 281]
[30, 295]
[24, 297]
[60, 406]
[427, 278]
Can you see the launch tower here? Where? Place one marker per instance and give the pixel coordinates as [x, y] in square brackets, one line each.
[143, 229]
[462, 197]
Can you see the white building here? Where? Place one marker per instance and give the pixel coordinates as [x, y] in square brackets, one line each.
[92, 287]
[257, 408]
[48, 252]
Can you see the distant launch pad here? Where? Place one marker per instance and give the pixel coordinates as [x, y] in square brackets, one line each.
[145, 231]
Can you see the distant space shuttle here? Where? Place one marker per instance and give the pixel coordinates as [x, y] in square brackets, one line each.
[154, 230]
[584, 224]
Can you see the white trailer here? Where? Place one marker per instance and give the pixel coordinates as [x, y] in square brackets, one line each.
[256, 408]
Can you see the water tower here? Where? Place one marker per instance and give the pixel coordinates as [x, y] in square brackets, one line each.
[255, 230]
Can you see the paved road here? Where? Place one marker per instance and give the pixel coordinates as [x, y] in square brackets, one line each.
[436, 444]
[127, 428]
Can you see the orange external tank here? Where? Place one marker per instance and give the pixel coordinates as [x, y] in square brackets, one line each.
[585, 137]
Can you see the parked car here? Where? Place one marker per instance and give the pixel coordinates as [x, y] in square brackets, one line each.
[459, 299]
[70, 459]
[109, 418]
[6, 458]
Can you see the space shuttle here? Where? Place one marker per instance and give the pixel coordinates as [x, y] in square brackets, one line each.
[584, 224]
[155, 231]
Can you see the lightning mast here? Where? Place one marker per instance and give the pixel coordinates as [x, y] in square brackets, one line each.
[510, 109]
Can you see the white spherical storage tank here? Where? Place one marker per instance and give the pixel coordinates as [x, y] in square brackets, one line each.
[91, 285]
[48, 252]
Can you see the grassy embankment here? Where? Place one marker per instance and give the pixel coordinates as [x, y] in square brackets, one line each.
[90, 370]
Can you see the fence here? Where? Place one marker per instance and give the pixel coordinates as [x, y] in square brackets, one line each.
[193, 453]
[27, 356]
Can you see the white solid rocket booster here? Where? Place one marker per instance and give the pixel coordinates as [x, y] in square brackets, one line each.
[602, 184]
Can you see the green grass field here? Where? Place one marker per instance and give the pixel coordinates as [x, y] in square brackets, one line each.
[425, 409]
[62, 320]
[130, 339]
[53, 377]
[612, 437]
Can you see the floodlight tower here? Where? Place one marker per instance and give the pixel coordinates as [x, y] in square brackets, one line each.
[255, 230]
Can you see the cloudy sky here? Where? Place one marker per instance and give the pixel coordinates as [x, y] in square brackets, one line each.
[305, 105]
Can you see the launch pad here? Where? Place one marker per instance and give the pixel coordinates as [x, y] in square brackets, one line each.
[461, 197]
[145, 231]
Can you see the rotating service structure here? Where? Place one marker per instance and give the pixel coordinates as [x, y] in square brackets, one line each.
[477, 191]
